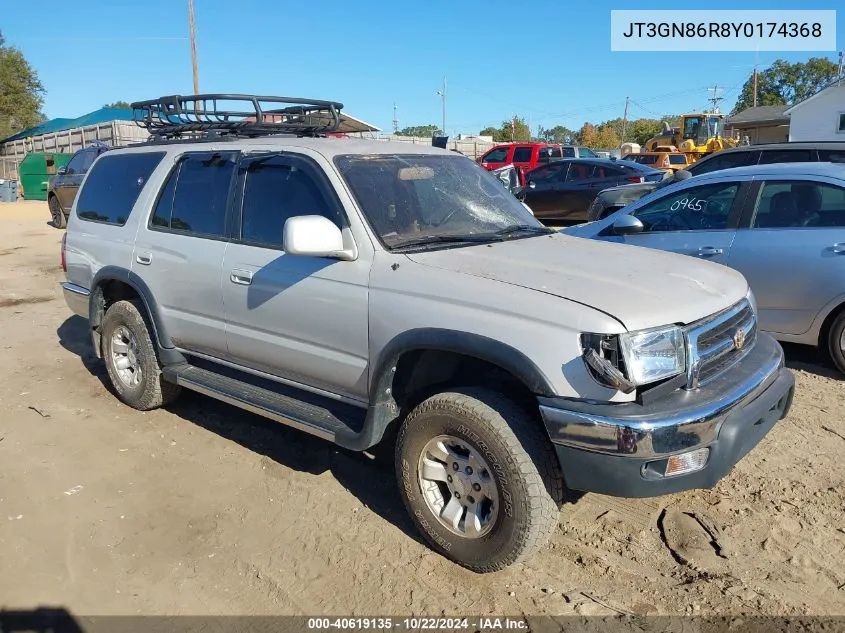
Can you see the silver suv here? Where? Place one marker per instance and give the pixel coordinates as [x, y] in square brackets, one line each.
[367, 292]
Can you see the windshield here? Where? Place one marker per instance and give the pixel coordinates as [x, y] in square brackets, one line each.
[415, 198]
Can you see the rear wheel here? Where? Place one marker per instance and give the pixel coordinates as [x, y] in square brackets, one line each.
[131, 359]
[479, 478]
[836, 341]
[58, 216]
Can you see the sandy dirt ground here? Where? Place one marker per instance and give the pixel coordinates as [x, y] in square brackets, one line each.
[205, 509]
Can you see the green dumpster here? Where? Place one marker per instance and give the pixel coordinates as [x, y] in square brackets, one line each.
[35, 171]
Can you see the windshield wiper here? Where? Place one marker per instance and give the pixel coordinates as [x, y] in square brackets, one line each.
[468, 238]
[522, 229]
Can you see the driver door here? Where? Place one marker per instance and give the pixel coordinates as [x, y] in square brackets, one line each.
[699, 221]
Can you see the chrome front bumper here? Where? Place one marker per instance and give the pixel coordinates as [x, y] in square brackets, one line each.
[76, 298]
[619, 448]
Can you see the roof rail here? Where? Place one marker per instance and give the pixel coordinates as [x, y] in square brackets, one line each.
[218, 114]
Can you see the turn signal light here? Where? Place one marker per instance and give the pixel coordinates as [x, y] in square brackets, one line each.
[687, 462]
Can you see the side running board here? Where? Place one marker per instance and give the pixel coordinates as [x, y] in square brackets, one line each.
[329, 419]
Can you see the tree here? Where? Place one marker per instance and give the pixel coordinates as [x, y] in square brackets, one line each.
[117, 104]
[515, 129]
[558, 134]
[640, 130]
[785, 84]
[21, 92]
[420, 130]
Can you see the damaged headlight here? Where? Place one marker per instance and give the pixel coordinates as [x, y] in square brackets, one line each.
[634, 359]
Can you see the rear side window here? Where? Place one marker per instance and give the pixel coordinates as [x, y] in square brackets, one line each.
[832, 155]
[498, 155]
[786, 156]
[113, 186]
[722, 161]
[196, 193]
[586, 152]
[555, 152]
[569, 152]
[522, 155]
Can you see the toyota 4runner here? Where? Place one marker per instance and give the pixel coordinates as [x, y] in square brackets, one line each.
[369, 292]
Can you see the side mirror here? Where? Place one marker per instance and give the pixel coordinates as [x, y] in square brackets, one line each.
[312, 236]
[627, 225]
[61, 171]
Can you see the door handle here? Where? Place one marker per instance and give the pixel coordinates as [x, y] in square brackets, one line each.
[838, 248]
[145, 258]
[709, 251]
[241, 277]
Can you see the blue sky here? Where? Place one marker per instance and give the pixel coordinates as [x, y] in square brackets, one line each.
[547, 60]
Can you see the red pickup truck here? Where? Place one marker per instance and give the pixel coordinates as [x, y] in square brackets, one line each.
[523, 156]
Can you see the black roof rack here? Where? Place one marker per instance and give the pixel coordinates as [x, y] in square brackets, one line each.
[199, 116]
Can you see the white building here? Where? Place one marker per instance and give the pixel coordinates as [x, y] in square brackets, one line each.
[820, 117]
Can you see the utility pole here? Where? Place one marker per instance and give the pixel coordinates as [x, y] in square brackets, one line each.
[715, 99]
[442, 93]
[625, 118]
[193, 47]
[755, 85]
[839, 76]
[395, 121]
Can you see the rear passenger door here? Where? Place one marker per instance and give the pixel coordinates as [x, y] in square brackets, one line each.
[792, 251]
[300, 318]
[179, 252]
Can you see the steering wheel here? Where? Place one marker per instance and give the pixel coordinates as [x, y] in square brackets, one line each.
[673, 222]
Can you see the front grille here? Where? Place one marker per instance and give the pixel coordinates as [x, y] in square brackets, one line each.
[717, 343]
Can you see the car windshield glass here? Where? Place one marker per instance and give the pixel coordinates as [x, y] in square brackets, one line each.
[413, 199]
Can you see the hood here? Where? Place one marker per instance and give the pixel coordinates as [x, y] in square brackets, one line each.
[639, 287]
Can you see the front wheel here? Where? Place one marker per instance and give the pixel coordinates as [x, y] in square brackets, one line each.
[479, 478]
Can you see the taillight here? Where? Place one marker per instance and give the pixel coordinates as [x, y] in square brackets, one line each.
[635, 179]
[64, 246]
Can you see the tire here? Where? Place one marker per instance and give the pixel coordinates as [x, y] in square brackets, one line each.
[126, 344]
[835, 340]
[58, 217]
[520, 495]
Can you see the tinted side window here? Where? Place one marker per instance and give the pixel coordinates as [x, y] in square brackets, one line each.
[586, 152]
[569, 152]
[677, 159]
[522, 155]
[603, 171]
[554, 152]
[799, 203]
[547, 172]
[722, 161]
[77, 163]
[113, 187]
[498, 155]
[832, 155]
[786, 156]
[706, 207]
[579, 171]
[195, 196]
[275, 192]
[88, 158]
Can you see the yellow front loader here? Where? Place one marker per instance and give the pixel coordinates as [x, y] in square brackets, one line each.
[699, 135]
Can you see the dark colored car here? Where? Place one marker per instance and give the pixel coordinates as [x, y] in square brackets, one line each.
[564, 189]
[62, 188]
[821, 151]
